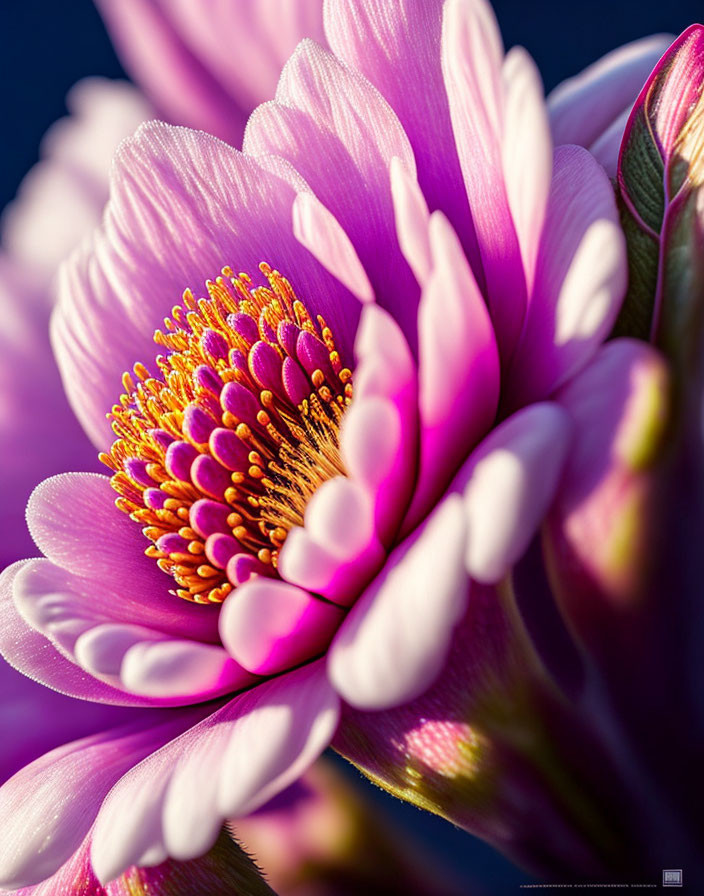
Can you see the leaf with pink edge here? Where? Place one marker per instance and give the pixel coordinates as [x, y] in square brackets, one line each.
[660, 173]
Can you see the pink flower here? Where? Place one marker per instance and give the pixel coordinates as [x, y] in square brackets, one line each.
[208, 64]
[311, 460]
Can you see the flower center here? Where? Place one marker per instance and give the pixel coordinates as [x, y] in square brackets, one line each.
[217, 456]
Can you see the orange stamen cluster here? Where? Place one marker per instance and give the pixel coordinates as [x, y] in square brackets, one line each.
[217, 455]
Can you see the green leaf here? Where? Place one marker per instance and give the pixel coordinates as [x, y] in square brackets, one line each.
[660, 174]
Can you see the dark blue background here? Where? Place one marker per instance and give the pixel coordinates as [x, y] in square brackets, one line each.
[47, 46]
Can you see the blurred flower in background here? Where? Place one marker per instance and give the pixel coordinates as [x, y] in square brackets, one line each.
[208, 64]
[494, 745]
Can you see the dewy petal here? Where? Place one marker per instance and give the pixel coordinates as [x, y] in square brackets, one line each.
[458, 366]
[397, 47]
[175, 801]
[322, 104]
[319, 231]
[395, 640]
[580, 280]
[507, 485]
[583, 107]
[182, 205]
[472, 60]
[47, 808]
[74, 522]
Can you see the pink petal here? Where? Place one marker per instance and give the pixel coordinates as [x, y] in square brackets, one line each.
[507, 485]
[472, 59]
[48, 807]
[370, 440]
[38, 657]
[228, 764]
[411, 212]
[385, 371]
[179, 83]
[287, 723]
[396, 46]
[181, 671]
[580, 280]
[335, 128]
[141, 661]
[458, 367]
[395, 640]
[74, 522]
[320, 232]
[305, 562]
[526, 153]
[606, 147]
[101, 649]
[583, 107]
[339, 517]
[269, 626]
[115, 292]
[264, 35]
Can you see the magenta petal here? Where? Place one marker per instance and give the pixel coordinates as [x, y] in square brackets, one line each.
[395, 640]
[508, 484]
[48, 807]
[580, 280]
[320, 232]
[269, 626]
[458, 367]
[339, 516]
[36, 656]
[74, 521]
[233, 761]
[411, 212]
[323, 104]
[115, 292]
[472, 59]
[181, 671]
[396, 46]
[303, 561]
[385, 373]
[283, 726]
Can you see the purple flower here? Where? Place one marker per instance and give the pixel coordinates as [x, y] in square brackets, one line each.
[331, 457]
[305, 501]
[207, 65]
